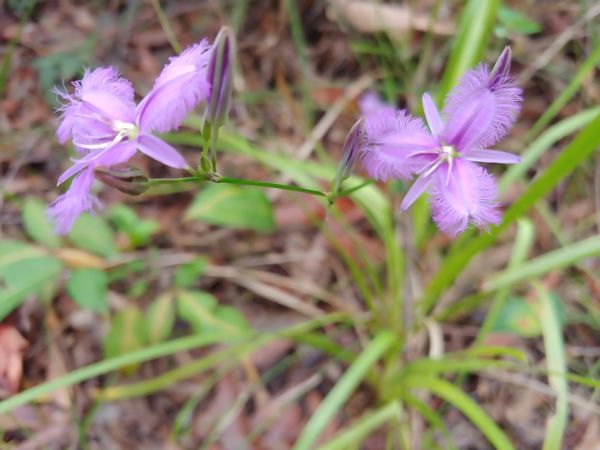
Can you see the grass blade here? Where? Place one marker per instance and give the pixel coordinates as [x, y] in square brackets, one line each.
[584, 70]
[535, 151]
[474, 31]
[342, 390]
[362, 427]
[465, 404]
[555, 360]
[556, 259]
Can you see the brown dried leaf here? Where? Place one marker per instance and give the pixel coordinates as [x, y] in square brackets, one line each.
[12, 346]
[370, 17]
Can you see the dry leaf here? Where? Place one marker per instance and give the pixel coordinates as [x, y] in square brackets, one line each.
[370, 17]
[12, 346]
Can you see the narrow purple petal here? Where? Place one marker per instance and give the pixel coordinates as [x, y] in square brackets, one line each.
[370, 103]
[506, 95]
[179, 88]
[391, 139]
[467, 196]
[162, 152]
[419, 186]
[432, 115]
[492, 156]
[70, 205]
[100, 97]
[75, 168]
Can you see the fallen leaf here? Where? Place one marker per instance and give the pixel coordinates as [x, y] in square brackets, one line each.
[12, 346]
[369, 17]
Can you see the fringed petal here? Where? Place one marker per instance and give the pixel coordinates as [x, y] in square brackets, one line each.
[69, 206]
[467, 195]
[479, 84]
[394, 143]
[180, 87]
[100, 97]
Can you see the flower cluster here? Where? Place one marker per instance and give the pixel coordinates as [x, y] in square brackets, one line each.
[478, 113]
[107, 128]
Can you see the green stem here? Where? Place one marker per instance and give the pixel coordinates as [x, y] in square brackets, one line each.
[214, 178]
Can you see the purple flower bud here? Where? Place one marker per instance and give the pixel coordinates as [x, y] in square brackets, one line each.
[130, 180]
[220, 77]
[351, 152]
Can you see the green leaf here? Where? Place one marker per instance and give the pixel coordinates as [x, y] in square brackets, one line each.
[232, 317]
[126, 334]
[233, 206]
[474, 30]
[554, 347]
[160, 318]
[37, 225]
[88, 288]
[196, 308]
[518, 316]
[514, 21]
[24, 270]
[187, 274]
[342, 390]
[127, 221]
[464, 404]
[93, 234]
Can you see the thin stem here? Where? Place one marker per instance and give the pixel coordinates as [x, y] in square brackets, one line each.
[215, 178]
[164, 23]
[283, 187]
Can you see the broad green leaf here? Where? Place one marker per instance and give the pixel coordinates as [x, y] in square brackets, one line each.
[518, 316]
[233, 206]
[126, 334]
[160, 318]
[127, 221]
[88, 288]
[474, 30]
[556, 361]
[37, 225]
[187, 274]
[202, 311]
[196, 308]
[583, 146]
[93, 234]
[343, 388]
[513, 21]
[231, 316]
[24, 270]
[464, 404]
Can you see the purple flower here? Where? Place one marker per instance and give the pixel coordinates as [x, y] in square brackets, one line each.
[107, 128]
[478, 113]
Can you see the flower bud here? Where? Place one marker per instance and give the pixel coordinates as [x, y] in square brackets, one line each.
[502, 66]
[350, 154]
[220, 77]
[130, 180]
